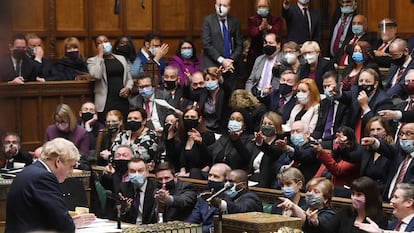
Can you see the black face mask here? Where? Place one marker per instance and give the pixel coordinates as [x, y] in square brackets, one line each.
[113, 127]
[268, 130]
[367, 88]
[86, 116]
[284, 89]
[72, 55]
[215, 185]
[399, 61]
[197, 93]
[169, 185]
[19, 54]
[269, 49]
[190, 124]
[133, 125]
[123, 50]
[170, 85]
[120, 166]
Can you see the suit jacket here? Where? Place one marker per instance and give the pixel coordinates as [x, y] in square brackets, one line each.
[29, 69]
[409, 228]
[256, 75]
[212, 40]
[296, 24]
[36, 190]
[184, 200]
[310, 117]
[267, 175]
[306, 161]
[335, 18]
[383, 61]
[323, 66]
[408, 116]
[347, 45]
[128, 190]
[398, 88]
[272, 102]
[245, 201]
[21, 157]
[339, 118]
[97, 70]
[202, 214]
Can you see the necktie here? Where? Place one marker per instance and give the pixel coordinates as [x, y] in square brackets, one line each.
[399, 75]
[226, 40]
[136, 202]
[305, 14]
[398, 226]
[345, 55]
[147, 109]
[339, 33]
[267, 73]
[382, 47]
[358, 128]
[410, 105]
[18, 68]
[329, 120]
[402, 172]
[282, 101]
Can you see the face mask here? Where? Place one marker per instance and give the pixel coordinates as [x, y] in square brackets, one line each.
[357, 29]
[133, 125]
[186, 53]
[288, 192]
[290, 58]
[234, 126]
[190, 124]
[268, 130]
[120, 166]
[169, 185]
[378, 135]
[63, 126]
[19, 54]
[170, 85]
[367, 88]
[297, 139]
[358, 57]
[347, 9]
[10, 147]
[72, 55]
[409, 88]
[358, 202]
[285, 89]
[86, 116]
[215, 185]
[123, 50]
[136, 179]
[146, 92]
[399, 61]
[113, 127]
[31, 52]
[304, 2]
[153, 51]
[311, 58]
[327, 93]
[197, 93]
[313, 201]
[407, 145]
[302, 97]
[263, 12]
[269, 49]
[212, 85]
[107, 48]
[222, 11]
[232, 193]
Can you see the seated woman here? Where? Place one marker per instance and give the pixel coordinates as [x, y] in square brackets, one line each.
[307, 106]
[71, 65]
[114, 125]
[186, 60]
[318, 205]
[189, 145]
[141, 139]
[235, 147]
[65, 126]
[263, 166]
[291, 182]
[366, 202]
[125, 47]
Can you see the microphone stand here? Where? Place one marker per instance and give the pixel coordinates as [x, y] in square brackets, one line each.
[118, 217]
[220, 222]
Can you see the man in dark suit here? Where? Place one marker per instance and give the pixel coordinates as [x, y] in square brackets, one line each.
[303, 23]
[11, 144]
[341, 29]
[400, 64]
[17, 67]
[36, 189]
[203, 212]
[222, 41]
[137, 192]
[36, 53]
[174, 199]
[387, 28]
[170, 85]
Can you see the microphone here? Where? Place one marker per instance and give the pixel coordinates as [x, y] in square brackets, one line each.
[116, 7]
[228, 185]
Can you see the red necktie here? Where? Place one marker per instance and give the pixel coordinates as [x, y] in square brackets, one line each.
[400, 74]
[147, 109]
[410, 105]
[382, 47]
[339, 34]
[358, 128]
[398, 226]
[402, 172]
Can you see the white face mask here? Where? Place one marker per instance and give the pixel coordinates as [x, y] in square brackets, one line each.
[304, 2]
[153, 51]
[302, 97]
[310, 58]
[221, 10]
[290, 58]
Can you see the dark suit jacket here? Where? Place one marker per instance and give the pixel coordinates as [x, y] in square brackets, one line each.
[272, 102]
[245, 201]
[383, 61]
[128, 190]
[340, 116]
[267, 175]
[29, 69]
[296, 24]
[346, 46]
[409, 228]
[36, 190]
[398, 88]
[202, 214]
[212, 40]
[335, 18]
[323, 66]
[22, 157]
[408, 116]
[306, 161]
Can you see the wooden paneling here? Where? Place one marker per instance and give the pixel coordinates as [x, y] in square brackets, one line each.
[404, 16]
[171, 16]
[375, 12]
[102, 17]
[70, 15]
[137, 19]
[29, 15]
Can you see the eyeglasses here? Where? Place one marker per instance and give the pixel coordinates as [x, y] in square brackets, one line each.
[407, 134]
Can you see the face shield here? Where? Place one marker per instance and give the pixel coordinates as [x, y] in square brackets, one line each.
[387, 30]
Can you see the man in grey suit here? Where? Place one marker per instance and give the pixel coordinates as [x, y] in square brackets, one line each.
[262, 81]
[222, 40]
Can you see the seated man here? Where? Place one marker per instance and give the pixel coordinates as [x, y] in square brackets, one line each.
[203, 212]
[137, 192]
[36, 52]
[174, 199]
[89, 121]
[13, 154]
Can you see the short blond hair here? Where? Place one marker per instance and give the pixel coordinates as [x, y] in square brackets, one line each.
[311, 44]
[60, 147]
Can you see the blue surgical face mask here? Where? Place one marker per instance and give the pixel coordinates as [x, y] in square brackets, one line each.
[234, 126]
[146, 92]
[358, 57]
[347, 9]
[136, 179]
[407, 145]
[357, 29]
[263, 12]
[288, 192]
[107, 48]
[327, 93]
[232, 193]
[186, 53]
[297, 139]
[212, 85]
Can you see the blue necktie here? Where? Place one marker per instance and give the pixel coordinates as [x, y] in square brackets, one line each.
[226, 39]
[329, 120]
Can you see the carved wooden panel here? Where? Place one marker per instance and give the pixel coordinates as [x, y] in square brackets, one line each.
[137, 18]
[171, 16]
[403, 16]
[29, 15]
[375, 12]
[70, 15]
[102, 16]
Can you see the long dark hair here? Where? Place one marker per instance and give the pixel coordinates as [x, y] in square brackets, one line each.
[373, 200]
[132, 54]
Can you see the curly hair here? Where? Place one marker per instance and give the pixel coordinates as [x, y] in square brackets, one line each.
[241, 98]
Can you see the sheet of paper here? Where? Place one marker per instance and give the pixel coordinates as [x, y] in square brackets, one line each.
[164, 104]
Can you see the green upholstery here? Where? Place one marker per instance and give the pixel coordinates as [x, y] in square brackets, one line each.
[267, 207]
